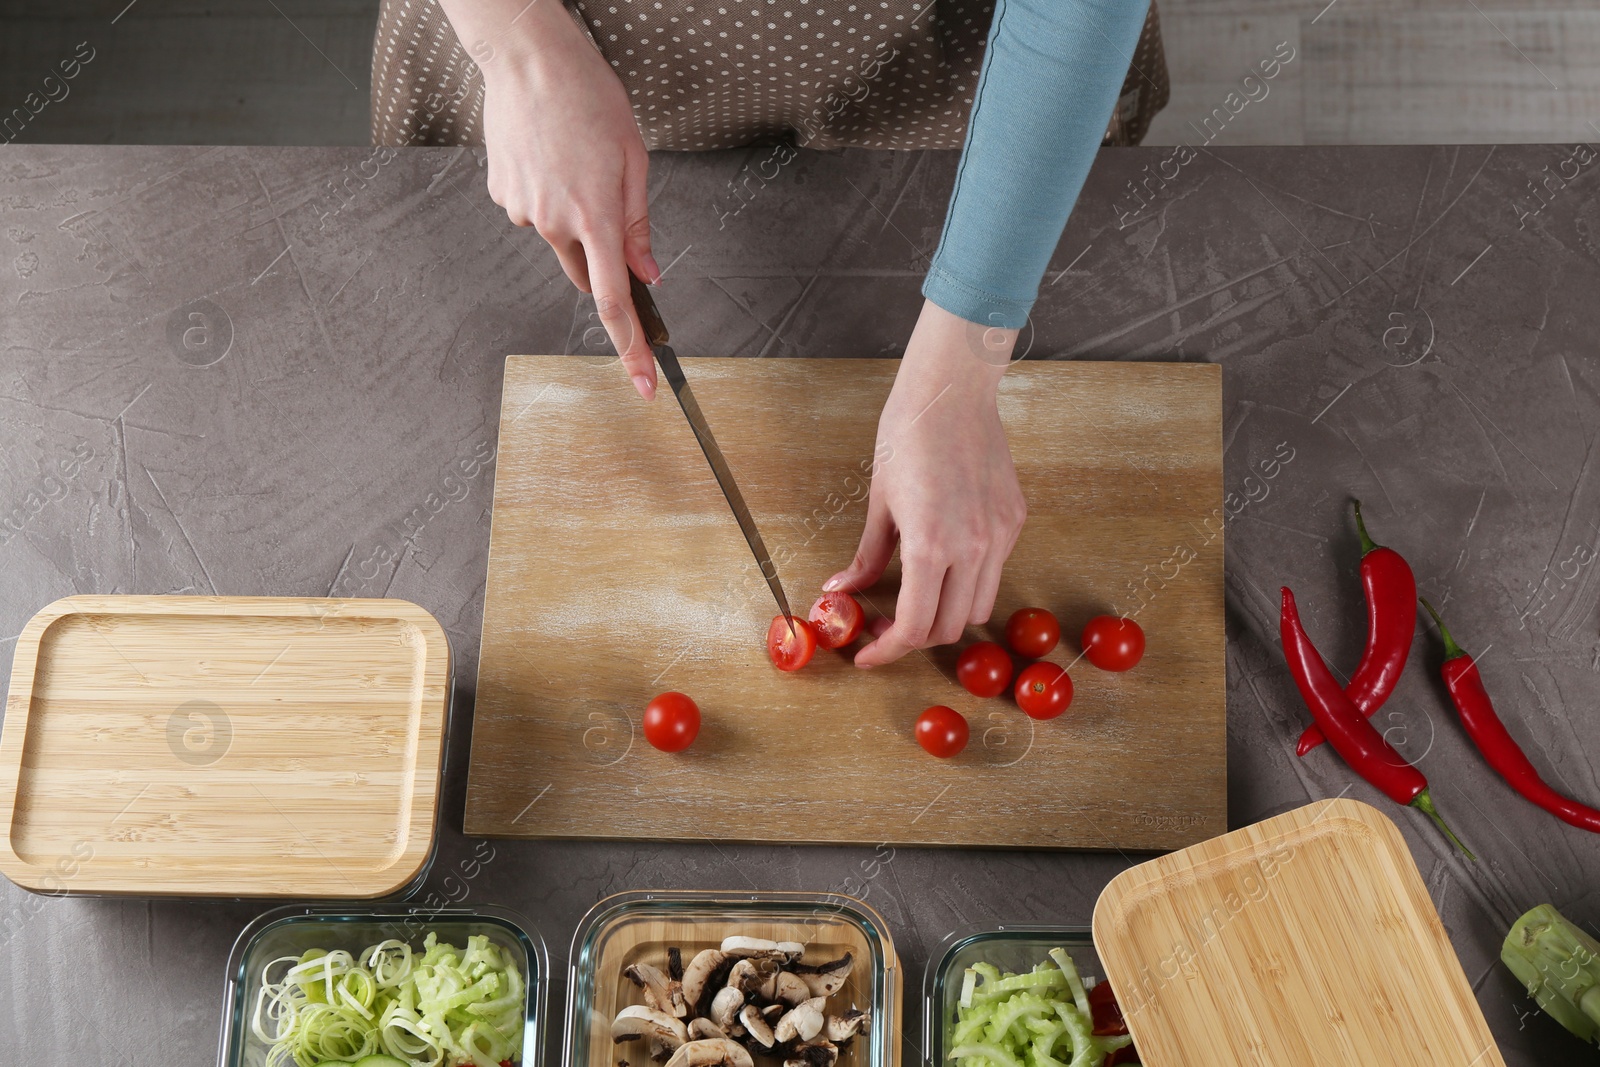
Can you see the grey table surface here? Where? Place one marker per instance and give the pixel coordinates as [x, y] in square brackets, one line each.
[256, 362]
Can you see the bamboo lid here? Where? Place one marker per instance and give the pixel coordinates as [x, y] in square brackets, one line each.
[1306, 939]
[223, 746]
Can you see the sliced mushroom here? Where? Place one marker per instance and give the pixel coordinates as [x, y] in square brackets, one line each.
[841, 1028]
[802, 1022]
[825, 979]
[711, 1052]
[698, 974]
[791, 989]
[659, 1051]
[725, 1006]
[751, 976]
[640, 1020]
[757, 1026]
[701, 1029]
[818, 1054]
[660, 991]
[759, 947]
[773, 1012]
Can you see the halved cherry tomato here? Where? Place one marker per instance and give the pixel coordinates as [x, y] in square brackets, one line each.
[1112, 643]
[1106, 1013]
[836, 617]
[1032, 632]
[984, 669]
[791, 647]
[942, 731]
[1043, 690]
[671, 722]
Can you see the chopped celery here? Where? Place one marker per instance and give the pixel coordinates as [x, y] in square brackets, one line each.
[1039, 1018]
[1559, 965]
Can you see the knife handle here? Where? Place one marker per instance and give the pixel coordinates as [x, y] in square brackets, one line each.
[655, 331]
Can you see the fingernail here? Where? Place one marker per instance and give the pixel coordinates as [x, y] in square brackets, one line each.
[831, 584]
[652, 269]
[646, 389]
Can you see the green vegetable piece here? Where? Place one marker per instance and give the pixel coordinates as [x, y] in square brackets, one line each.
[1559, 965]
[994, 1054]
[1080, 996]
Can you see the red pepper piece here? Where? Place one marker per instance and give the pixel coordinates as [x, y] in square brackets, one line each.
[1391, 591]
[1105, 1013]
[1355, 739]
[1483, 725]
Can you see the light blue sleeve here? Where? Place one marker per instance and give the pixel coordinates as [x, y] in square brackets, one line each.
[1050, 78]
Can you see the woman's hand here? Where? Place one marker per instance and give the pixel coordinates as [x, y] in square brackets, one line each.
[947, 489]
[565, 157]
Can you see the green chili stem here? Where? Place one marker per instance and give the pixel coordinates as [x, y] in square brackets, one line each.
[1424, 804]
[1451, 649]
[1367, 543]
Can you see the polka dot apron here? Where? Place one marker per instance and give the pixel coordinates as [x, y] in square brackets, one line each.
[706, 74]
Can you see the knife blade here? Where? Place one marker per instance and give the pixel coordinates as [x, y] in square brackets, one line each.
[655, 331]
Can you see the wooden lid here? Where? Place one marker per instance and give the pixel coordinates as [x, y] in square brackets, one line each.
[223, 746]
[1303, 940]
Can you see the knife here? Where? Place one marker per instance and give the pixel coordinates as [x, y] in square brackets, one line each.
[655, 332]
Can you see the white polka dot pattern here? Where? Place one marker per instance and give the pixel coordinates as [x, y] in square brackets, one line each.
[708, 74]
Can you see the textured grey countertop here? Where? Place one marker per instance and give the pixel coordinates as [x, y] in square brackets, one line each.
[256, 361]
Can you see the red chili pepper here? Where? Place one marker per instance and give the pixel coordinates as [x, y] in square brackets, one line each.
[1478, 718]
[1355, 739]
[1391, 591]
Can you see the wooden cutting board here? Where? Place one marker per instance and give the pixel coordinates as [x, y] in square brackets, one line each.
[616, 571]
[1304, 940]
[223, 746]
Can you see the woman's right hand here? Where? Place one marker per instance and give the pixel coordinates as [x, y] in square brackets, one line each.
[566, 157]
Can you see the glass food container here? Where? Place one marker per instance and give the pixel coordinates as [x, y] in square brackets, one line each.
[641, 926]
[1011, 948]
[290, 931]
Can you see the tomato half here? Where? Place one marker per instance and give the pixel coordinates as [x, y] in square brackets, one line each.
[984, 669]
[1112, 643]
[837, 618]
[1043, 690]
[1106, 1013]
[1032, 632]
[671, 722]
[942, 731]
[791, 647]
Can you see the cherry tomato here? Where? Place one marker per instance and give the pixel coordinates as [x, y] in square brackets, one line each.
[836, 617]
[1043, 690]
[1032, 632]
[1107, 1014]
[671, 722]
[791, 649]
[1112, 643]
[942, 731]
[984, 669]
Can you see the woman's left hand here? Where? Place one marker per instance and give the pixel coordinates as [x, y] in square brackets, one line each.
[944, 488]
